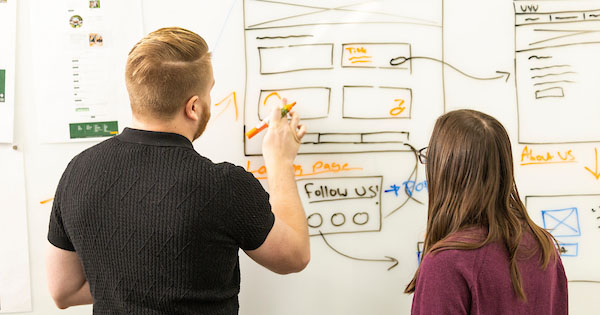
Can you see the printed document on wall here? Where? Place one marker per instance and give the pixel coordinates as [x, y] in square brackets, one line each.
[8, 15]
[82, 49]
[15, 288]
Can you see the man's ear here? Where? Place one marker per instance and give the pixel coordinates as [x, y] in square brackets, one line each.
[193, 110]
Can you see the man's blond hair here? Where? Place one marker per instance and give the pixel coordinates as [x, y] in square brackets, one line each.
[164, 70]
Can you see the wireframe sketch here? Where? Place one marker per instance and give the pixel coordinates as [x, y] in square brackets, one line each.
[336, 60]
[557, 44]
[574, 220]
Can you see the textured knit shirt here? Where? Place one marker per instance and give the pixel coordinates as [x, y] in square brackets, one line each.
[157, 226]
[478, 282]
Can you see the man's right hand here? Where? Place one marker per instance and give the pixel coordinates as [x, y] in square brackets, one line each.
[287, 247]
[282, 141]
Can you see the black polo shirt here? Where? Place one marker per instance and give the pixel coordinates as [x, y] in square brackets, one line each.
[157, 226]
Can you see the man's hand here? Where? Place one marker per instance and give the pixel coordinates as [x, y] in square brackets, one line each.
[282, 141]
[287, 247]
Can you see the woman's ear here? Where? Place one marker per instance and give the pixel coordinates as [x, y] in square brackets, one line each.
[193, 108]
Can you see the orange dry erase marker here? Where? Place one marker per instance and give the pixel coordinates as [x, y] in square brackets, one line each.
[265, 123]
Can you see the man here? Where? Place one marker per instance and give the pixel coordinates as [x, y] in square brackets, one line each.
[142, 223]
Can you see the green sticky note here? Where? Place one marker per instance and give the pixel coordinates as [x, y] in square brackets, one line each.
[94, 129]
[2, 85]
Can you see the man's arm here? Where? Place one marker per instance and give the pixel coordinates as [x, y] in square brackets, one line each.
[66, 281]
[287, 247]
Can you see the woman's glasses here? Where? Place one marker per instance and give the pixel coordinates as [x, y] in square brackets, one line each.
[422, 154]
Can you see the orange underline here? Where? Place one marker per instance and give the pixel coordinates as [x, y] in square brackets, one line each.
[361, 57]
[322, 172]
[356, 61]
[557, 162]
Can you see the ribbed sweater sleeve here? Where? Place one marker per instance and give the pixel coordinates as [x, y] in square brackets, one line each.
[249, 208]
[57, 235]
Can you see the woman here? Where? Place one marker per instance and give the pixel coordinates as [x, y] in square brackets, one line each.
[482, 254]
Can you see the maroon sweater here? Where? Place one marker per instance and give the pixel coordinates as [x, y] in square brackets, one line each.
[478, 282]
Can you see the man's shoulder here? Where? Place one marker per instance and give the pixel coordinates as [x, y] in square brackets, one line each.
[236, 172]
[92, 151]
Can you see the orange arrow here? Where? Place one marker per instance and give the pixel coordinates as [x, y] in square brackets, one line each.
[231, 99]
[595, 173]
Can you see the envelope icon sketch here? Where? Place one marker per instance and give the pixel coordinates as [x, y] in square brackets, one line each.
[562, 222]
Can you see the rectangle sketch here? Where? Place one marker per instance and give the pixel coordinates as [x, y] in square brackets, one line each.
[312, 54]
[572, 220]
[550, 92]
[369, 102]
[295, 58]
[315, 101]
[568, 249]
[360, 142]
[342, 205]
[551, 82]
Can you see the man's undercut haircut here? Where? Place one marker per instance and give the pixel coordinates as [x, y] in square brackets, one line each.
[164, 70]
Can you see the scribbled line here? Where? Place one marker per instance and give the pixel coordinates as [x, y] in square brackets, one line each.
[283, 37]
[550, 74]
[532, 19]
[574, 33]
[594, 15]
[338, 199]
[551, 162]
[359, 57]
[548, 67]
[561, 81]
[559, 30]
[539, 57]
[566, 17]
[388, 258]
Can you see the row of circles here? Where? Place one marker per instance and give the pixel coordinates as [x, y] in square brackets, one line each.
[315, 220]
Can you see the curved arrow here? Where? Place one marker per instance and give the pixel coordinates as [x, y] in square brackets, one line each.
[400, 60]
[387, 258]
[410, 193]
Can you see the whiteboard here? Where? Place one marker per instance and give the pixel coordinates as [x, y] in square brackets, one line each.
[15, 286]
[370, 78]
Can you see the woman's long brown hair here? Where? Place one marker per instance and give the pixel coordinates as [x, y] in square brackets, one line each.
[471, 184]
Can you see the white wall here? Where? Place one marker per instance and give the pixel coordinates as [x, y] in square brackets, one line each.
[465, 42]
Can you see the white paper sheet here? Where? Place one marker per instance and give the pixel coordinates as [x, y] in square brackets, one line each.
[82, 48]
